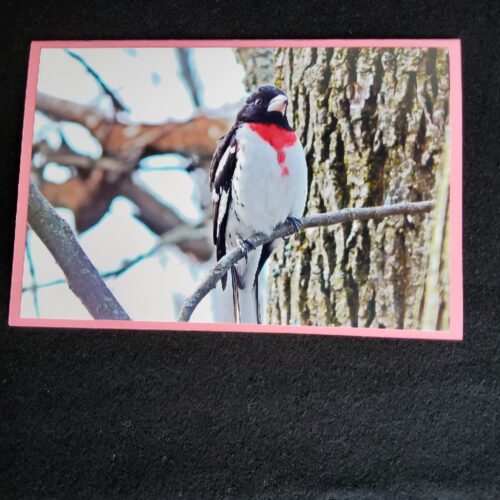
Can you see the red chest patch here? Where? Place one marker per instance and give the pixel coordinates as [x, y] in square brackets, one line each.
[278, 139]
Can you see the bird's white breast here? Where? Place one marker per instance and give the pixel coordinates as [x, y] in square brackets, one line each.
[265, 190]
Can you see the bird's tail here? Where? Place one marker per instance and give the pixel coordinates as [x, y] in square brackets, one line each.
[245, 301]
[236, 300]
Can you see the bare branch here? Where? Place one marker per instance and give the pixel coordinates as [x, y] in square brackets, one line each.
[197, 136]
[89, 199]
[162, 219]
[90, 117]
[83, 278]
[176, 236]
[117, 103]
[67, 157]
[179, 234]
[34, 285]
[188, 73]
[284, 230]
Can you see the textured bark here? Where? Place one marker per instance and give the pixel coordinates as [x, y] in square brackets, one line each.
[374, 124]
[259, 66]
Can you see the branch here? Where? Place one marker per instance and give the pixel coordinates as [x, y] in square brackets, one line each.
[117, 103]
[34, 285]
[197, 136]
[284, 230]
[61, 109]
[188, 73]
[83, 278]
[67, 157]
[161, 219]
[87, 197]
[176, 236]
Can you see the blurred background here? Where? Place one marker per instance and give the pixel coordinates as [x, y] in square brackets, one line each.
[122, 144]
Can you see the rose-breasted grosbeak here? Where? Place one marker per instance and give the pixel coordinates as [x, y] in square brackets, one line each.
[258, 179]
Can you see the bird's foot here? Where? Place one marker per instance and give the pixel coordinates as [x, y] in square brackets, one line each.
[295, 223]
[245, 245]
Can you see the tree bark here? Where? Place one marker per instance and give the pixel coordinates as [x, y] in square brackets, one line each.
[374, 124]
[258, 64]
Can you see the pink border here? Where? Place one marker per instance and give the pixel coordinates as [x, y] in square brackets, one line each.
[456, 292]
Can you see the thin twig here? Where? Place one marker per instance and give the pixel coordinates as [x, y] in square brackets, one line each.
[188, 73]
[117, 103]
[284, 230]
[160, 218]
[173, 237]
[164, 169]
[34, 285]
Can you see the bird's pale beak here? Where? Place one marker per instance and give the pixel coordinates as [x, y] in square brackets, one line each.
[278, 103]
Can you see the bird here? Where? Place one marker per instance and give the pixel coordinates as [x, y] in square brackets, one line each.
[258, 179]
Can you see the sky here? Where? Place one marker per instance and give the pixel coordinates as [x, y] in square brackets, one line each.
[147, 81]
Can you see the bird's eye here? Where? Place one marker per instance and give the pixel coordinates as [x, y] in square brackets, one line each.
[258, 101]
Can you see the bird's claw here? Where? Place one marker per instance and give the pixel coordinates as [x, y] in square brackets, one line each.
[246, 246]
[295, 223]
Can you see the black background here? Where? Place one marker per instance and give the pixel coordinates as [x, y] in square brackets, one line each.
[102, 414]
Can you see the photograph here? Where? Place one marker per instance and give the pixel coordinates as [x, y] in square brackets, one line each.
[278, 186]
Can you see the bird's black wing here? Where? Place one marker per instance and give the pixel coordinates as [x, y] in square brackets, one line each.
[221, 176]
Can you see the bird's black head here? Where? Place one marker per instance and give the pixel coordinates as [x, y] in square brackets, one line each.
[266, 105]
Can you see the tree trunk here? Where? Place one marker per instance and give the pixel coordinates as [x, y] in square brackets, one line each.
[374, 124]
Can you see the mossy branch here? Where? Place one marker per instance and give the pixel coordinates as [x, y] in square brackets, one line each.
[83, 278]
[284, 230]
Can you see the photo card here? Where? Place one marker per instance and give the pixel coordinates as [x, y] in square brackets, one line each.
[272, 186]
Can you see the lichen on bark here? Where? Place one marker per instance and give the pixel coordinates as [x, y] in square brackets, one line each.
[374, 124]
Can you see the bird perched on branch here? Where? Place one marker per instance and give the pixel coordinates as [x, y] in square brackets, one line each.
[258, 178]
